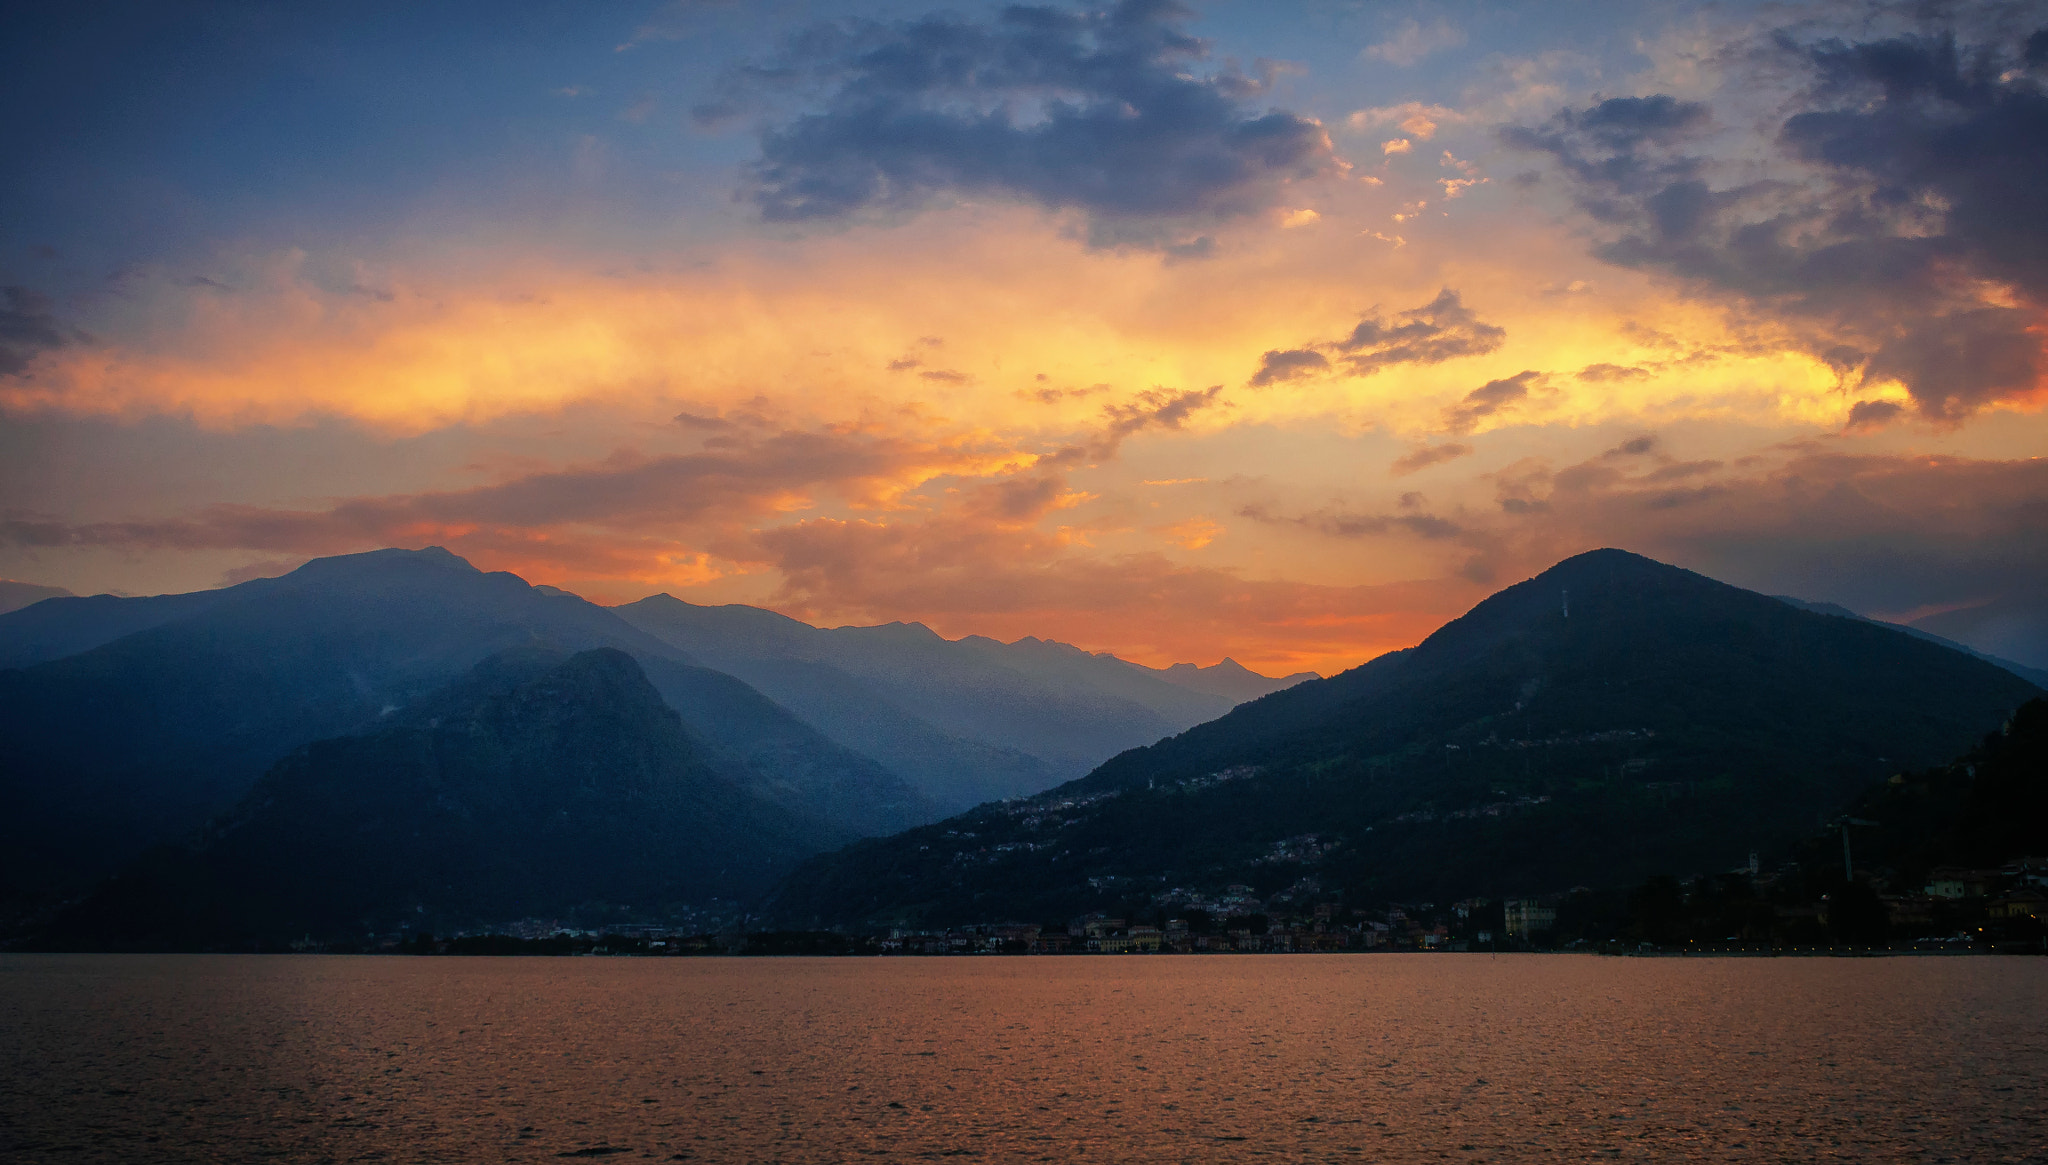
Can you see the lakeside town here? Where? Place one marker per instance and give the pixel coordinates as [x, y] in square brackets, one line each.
[1955, 910]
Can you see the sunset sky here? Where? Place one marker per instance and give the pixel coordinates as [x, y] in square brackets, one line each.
[1277, 331]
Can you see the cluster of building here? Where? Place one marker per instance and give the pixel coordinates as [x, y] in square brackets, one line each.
[1472, 812]
[1099, 934]
[1952, 894]
[1303, 917]
[1229, 923]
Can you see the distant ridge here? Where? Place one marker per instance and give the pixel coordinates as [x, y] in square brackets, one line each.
[16, 595]
[2014, 625]
[141, 737]
[1229, 679]
[966, 720]
[1609, 718]
[2033, 675]
[125, 722]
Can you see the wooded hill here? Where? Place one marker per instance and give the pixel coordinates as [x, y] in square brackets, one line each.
[536, 786]
[1610, 718]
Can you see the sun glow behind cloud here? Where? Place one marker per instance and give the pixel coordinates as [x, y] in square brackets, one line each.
[970, 362]
[1228, 418]
[976, 324]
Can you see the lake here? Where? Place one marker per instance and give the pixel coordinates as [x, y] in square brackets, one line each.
[1139, 1058]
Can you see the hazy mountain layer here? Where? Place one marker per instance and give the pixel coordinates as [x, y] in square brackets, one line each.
[1609, 718]
[1229, 679]
[16, 595]
[968, 720]
[142, 737]
[2014, 626]
[2032, 675]
[537, 785]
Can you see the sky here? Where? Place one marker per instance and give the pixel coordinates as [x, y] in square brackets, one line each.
[1284, 332]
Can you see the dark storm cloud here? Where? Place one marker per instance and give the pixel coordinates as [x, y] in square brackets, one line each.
[1442, 329]
[1097, 110]
[27, 329]
[1928, 161]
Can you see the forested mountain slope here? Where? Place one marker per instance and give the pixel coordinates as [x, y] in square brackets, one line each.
[537, 785]
[1611, 717]
[144, 736]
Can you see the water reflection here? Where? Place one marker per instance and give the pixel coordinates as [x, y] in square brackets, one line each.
[1345, 1057]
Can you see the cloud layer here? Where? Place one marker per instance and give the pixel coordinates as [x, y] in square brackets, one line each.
[1098, 111]
[1442, 329]
[1772, 310]
[27, 329]
[1903, 238]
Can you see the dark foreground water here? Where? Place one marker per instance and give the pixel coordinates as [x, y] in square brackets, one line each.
[1297, 1058]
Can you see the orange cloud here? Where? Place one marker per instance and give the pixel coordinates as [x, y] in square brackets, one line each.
[631, 516]
[770, 454]
[1193, 534]
[805, 329]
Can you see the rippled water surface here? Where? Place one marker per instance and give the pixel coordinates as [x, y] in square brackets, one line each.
[1300, 1058]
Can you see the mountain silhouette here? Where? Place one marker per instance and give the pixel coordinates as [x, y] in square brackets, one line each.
[2032, 675]
[142, 736]
[2014, 626]
[967, 720]
[537, 785]
[16, 595]
[1609, 718]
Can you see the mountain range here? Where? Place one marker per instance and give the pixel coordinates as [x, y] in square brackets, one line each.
[16, 595]
[967, 720]
[140, 738]
[2015, 625]
[128, 722]
[1608, 718]
[537, 784]
[397, 738]
[2033, 675]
